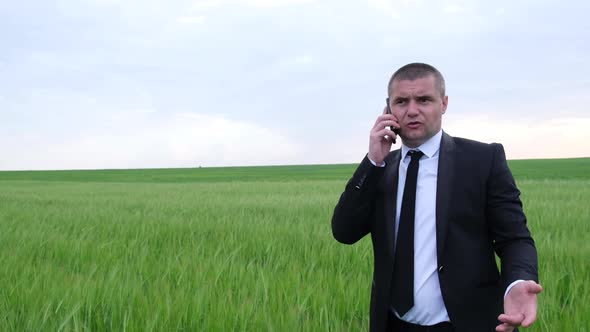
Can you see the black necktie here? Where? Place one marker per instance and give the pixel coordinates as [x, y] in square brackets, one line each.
[403, 266]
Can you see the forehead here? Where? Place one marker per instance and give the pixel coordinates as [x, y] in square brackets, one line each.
[420, 86]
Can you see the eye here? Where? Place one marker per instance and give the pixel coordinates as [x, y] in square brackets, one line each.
[423, 100]
[400, 102]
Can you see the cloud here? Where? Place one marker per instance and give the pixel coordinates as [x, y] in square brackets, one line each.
[286, 64]
[273, 3]
[141, 139]
[191, 20]
[389, 8]
[453, 8]
[205, 4]
[304, 59]
[527, 137]
[72, 71]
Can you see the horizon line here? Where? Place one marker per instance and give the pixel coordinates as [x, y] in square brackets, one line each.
[233, 166]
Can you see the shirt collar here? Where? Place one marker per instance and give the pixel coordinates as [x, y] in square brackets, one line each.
[429, 148]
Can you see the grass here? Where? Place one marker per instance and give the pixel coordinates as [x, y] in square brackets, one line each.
[241, 248]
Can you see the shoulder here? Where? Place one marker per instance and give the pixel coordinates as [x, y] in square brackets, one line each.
[474, 152]
[469, 145]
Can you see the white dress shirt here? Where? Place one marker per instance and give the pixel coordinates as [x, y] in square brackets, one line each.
[429, 308]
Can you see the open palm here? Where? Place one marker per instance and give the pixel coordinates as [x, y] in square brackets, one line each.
[520, 306]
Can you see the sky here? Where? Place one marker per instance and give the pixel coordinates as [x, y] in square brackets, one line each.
[98, 84]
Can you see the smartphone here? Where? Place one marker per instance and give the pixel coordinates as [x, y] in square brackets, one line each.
[395, 130]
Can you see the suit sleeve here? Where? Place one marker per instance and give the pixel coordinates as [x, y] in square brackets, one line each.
[353, 215]
[512, 240]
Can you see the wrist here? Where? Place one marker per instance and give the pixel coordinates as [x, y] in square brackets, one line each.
[512, 285]
[375, 162]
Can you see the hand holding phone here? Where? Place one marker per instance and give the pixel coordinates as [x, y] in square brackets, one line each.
[382, 136]
[395, 130]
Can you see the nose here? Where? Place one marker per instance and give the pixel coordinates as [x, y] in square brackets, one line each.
[412, 109]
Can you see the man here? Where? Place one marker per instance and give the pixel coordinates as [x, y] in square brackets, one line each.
[437, 210]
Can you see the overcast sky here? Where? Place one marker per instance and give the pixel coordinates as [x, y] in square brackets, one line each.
[155, 83]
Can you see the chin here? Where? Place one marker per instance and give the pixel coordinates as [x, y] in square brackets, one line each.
[413, 142]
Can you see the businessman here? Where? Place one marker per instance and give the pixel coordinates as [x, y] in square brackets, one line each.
[438, 210]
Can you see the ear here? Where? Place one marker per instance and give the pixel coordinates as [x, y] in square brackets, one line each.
[445, 102]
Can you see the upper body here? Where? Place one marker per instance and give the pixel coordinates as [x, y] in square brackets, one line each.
[467, 209]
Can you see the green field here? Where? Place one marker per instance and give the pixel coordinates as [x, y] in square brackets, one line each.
[236, 249]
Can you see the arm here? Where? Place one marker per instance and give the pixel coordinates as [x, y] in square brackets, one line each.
[353, 215]
[513, 244]
[512, 240]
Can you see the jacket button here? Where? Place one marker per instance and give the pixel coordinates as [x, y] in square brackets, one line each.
[440, 269]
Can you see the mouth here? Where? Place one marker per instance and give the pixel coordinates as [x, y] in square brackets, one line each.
[414, 124]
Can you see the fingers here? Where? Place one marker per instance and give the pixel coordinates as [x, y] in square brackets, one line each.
[385, 133]
[385, 117]
[534, 287]
[386, 120]
[525, 313]
[387, 123]
[380, 117]
[513, 320]
[382, 136]
[509, 322]
[504, 328]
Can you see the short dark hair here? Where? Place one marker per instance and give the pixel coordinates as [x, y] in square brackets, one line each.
[417, 70]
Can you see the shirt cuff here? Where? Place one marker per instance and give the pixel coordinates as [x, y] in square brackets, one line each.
[375, 164]
[511, 285]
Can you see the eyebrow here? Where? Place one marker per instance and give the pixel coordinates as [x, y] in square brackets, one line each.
[400, 98]
[425, 97]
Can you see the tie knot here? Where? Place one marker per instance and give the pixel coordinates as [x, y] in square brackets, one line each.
[415, 154]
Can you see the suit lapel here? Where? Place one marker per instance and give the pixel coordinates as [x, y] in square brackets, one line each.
[446, 160]
[390, 197]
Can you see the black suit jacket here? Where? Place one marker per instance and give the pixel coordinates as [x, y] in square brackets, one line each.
[478, 213]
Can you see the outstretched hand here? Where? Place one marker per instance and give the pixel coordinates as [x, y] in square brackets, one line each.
[520, 306]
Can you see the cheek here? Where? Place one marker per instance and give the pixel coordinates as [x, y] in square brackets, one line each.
[434, 118]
